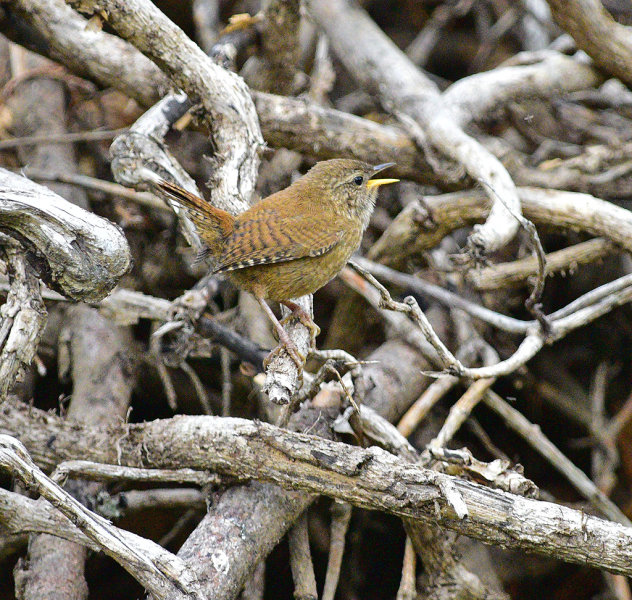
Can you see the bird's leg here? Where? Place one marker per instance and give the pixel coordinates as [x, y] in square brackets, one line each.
[300, 313]
[284, 340]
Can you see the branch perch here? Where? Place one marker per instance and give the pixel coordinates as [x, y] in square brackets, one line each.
[370, 478]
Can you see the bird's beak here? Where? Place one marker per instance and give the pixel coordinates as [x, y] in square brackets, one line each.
[371, 183]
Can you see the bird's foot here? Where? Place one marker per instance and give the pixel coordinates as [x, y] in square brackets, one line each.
[290, 347]
[285, 343]
[299, 313]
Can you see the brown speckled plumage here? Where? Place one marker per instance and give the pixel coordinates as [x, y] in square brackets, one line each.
[295, 241]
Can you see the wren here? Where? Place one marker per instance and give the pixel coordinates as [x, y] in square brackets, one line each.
[292, 242]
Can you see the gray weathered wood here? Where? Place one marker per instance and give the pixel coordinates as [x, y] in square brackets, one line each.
[77, 253]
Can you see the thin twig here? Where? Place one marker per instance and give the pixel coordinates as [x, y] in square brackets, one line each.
[340, 517]
[198, 386]
[460, 411]
[422, 406]
[181, 525]
[301, 561]
[533, 435]
[227, 384]
[98, 185]
[427, 289]
[61, 138]
[92, 471]
[407, 585]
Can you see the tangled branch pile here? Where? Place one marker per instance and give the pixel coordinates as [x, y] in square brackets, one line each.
[472, 382]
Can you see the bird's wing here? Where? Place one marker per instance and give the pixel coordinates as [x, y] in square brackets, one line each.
[263, 241]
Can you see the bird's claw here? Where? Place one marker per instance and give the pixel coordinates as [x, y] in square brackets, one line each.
[293, 353]
[314, 330]
[304, 318]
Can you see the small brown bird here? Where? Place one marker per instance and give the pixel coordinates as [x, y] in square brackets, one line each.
[294, 241]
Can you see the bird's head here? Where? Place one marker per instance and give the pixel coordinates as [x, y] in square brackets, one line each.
[351, 185]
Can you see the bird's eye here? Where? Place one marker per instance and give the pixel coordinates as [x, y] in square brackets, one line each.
[358, 180]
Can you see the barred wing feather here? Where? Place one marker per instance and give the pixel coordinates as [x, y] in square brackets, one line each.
[261, 242]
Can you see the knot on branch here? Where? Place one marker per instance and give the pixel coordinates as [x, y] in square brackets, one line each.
[79, 254]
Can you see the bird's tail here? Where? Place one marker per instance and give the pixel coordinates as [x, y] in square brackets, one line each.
[213, 224]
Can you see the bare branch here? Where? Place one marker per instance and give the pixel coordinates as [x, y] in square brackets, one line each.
[597, 33]
[63, 35]
[75, 252]
[228, 110]
[501, 276]
[301, 561]
[159, 571]
[370, 478]
[320, 132]
[23, 318]
[543, 445]
[340, 517]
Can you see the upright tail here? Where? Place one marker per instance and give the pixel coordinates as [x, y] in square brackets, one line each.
[213, 224]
